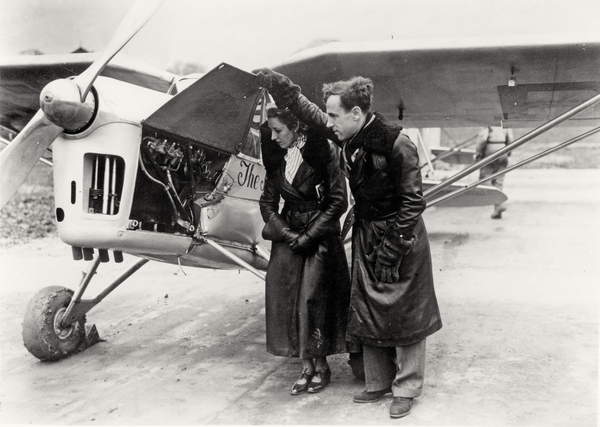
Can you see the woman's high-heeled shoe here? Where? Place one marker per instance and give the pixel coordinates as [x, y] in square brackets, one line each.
[301, 384]
[319, 381]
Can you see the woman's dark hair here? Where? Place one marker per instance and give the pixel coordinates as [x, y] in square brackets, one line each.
[355, 92]
[285, 116]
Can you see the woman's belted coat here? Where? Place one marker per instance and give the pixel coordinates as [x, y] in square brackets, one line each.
[307, 294]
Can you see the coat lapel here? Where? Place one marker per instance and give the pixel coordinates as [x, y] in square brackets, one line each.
[302, 175]
[288, 188]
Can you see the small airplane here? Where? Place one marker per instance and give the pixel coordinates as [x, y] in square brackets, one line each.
[175, 176]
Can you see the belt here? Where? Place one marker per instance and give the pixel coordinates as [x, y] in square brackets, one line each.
[371, 213]
[305, 206]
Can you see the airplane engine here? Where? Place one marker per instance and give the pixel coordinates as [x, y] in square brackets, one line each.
[172, 175]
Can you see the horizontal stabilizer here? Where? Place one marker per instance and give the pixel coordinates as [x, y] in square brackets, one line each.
[482, 195]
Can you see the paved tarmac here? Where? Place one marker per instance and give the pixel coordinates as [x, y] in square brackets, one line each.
[519, 346]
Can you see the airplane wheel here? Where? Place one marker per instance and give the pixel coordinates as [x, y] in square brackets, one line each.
[43, 336]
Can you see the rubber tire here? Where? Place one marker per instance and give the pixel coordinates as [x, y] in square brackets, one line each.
[39, 335]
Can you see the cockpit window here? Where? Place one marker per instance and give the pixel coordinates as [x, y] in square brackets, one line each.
[251, 146]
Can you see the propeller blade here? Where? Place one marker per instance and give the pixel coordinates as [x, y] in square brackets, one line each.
[21, 155]
[134, 21]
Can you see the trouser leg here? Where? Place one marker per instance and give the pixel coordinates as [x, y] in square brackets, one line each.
[498, 182]
[380, 367]
[402, 368]
[410, 373]
[500, 185]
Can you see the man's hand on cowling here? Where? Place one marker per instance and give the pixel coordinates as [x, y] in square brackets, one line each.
[284, 91]
[265, 77]
[270, 79]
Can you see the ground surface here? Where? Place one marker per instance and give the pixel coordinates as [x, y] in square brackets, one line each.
[519, 346]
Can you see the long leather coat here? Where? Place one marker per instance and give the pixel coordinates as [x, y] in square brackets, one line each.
[307, 295]
[384, 174]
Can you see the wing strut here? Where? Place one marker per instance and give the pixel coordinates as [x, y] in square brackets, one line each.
[513, 167]
[454, 149]
[425, 152]
[518, 142]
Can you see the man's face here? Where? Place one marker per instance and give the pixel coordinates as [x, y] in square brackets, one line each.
[344, 123]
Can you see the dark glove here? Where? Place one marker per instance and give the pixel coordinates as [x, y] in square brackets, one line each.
[284, 91]
[277, 230]
[389, 257]
[302, 245]
[289, 236]
[385, 274]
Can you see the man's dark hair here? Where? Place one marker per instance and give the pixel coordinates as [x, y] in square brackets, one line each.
[356, 91]
[285, 116]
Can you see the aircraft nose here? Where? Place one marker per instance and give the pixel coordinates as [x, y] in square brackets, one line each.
[59, 100]
[47, 98]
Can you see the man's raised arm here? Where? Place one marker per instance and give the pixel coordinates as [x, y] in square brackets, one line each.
[287, 95]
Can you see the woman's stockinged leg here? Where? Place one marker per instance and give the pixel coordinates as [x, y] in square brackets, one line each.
[321, 364]
[308, 365]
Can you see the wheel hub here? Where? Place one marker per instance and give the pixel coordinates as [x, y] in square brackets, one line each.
[61, 332]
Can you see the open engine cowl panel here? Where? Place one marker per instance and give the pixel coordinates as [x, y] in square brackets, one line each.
[185, 146]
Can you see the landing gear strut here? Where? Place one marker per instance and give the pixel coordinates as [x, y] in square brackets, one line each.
[54, 322]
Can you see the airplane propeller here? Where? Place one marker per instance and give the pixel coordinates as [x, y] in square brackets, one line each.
[65, 105]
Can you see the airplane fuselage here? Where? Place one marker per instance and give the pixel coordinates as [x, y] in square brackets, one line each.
[95, 177]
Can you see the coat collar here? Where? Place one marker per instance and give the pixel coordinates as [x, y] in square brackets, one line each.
[376, 136]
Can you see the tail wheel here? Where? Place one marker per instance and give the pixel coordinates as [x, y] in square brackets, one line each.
[43, 334]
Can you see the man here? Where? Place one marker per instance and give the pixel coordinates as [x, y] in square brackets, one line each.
[393, 306]
[492, 139]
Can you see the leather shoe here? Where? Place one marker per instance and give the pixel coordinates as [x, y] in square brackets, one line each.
[400, 407]
[370, 396]
[319, 381]
[497, 214]
[301, 384]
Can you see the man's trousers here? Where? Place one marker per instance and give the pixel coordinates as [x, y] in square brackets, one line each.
[402, 368]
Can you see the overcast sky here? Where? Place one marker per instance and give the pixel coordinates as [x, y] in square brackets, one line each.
[253, 33]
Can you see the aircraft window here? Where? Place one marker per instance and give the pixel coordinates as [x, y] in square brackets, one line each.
[251, 146]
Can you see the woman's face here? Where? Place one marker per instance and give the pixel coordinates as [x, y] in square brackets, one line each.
[281, 134]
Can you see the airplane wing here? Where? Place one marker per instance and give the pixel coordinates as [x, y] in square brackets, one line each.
[23, 77]
[461, 83]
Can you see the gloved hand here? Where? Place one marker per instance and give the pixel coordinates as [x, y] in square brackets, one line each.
[302, 245]
[289, 235]
[389, 257]
[284, 91]
[386, 273]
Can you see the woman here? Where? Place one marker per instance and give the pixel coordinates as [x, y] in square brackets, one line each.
[307, 285]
